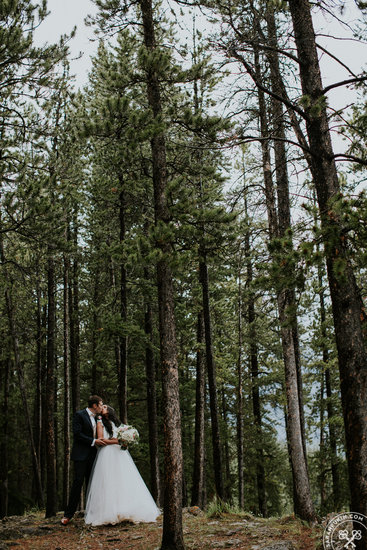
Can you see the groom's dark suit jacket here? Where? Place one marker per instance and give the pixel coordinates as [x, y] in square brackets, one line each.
[83, 436]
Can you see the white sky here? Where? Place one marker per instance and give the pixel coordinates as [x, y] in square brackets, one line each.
[351, 52]
[64, 16]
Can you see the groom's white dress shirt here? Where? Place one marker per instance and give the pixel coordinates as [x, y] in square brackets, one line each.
[94, 425]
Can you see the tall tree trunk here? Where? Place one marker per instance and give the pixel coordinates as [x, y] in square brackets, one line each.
[254, 367]
[5, 432]
[266, 155]
[123, 306]
[197, 494]
[348, 312]
[74, 321]
[322, 449]
[212, 378]
[209, 353]
[172, 523]
[239, 397]
[227, 457]
[59, 458]
[302, 494]
[329, 404]
[67, 404]
[43, 388]
[38, 411]
[282, 180]
[51, 501]
[117, 349]
[116, 339]
[95, 326]
[20, 372]
[155, 481]
[260, 467]
[332, 442]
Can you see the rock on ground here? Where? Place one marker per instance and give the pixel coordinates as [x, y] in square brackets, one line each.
[284, 545]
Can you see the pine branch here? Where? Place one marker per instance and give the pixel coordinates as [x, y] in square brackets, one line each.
[344, 83]
[266, 90]
[336, 59]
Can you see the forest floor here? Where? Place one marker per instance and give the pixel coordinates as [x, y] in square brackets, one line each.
[241, 531]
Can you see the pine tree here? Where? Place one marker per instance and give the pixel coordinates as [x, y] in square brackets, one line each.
[348, 311]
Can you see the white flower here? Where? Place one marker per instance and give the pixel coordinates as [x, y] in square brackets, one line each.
[127, 435]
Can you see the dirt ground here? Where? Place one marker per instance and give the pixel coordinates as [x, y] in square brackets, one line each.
[242, 531]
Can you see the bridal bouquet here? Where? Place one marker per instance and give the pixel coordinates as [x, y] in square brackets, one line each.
[127, 436]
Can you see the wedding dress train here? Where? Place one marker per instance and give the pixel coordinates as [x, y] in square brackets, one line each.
[116, 490]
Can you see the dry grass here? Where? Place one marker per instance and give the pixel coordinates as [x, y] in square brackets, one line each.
[240, 531]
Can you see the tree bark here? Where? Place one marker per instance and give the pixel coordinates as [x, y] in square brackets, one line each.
[51, 500]
[302, 494]
[123, 307]
[116, 338]
[67, 404]
[282, 180]
[74, 322]
[20, 372]
[38, 409]
[227, 458]
[329, 405]
[322, 449]
[59, 458]
[348, 311]
[254, 367]
[172, 523]
[239, 397]
[212, 378]
[197, 494]
[155, 481]
[43, 388]
[4, 450]
[94, 338]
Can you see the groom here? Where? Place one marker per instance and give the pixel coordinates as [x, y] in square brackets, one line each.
[84, 451]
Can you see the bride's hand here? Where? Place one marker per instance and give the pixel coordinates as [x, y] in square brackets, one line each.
[105, 441]
[100, 442]
[110, 441]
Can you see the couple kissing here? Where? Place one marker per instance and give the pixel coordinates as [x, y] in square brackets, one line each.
[115, 489]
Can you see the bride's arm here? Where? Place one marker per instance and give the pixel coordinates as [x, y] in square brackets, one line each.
[99, 427]
[112, 441]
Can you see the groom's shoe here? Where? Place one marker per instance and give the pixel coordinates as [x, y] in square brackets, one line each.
[65, 521]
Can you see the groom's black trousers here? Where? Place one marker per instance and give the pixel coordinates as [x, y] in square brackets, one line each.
[82, 471]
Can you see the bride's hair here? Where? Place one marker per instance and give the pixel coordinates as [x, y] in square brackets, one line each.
[112, 417]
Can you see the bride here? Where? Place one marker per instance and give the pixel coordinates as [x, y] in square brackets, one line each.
[116, 491]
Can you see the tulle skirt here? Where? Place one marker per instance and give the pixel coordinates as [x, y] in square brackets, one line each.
[117, 491]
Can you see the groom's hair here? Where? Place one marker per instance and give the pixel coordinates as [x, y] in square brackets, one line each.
[94, 400]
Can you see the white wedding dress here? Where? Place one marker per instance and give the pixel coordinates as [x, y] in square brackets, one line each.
[116, 490]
